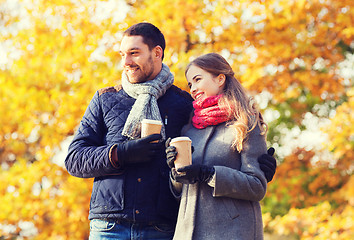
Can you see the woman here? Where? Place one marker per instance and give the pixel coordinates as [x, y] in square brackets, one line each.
[221, 190]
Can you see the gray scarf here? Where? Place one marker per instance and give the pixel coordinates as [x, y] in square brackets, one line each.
[145, 106]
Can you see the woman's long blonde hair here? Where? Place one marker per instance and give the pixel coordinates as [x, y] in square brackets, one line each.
[243, 110]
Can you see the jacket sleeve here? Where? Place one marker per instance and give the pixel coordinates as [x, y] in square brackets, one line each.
[88, 155]
[249, 183]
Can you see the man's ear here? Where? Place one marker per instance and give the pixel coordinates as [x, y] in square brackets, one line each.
[157, 51]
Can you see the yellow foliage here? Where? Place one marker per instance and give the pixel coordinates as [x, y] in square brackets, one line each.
[341, 133]
[319, 222]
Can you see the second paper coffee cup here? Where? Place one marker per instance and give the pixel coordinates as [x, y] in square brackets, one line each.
[149, 127]
[184, 149]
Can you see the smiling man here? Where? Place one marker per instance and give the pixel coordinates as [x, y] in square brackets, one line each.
[131, 198]
[140, 63]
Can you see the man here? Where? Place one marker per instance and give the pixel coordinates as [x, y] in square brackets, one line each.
[131, 198]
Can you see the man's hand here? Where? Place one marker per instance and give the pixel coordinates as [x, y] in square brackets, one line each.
[268, 164]
[139, 150]
[193, 173]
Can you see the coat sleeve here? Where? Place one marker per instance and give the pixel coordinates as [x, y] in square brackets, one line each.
[248, 183]
[176, 188]
[88, 155]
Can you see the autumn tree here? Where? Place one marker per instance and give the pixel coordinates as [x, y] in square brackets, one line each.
[54, 55]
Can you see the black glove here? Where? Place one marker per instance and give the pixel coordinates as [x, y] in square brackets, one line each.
[171, 153]
[193, 173]
[268, 164]
[139, 150]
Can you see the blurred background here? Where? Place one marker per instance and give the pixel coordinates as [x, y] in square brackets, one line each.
[295, 56]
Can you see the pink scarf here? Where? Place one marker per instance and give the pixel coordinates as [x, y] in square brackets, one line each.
[207, 112]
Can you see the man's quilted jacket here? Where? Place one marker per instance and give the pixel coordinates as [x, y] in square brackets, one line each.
[138, 192]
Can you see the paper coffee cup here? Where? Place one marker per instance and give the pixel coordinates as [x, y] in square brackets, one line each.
[184, 149]
[149, 127]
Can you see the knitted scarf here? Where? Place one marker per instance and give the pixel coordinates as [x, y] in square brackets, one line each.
[145, 106]
[207, 112]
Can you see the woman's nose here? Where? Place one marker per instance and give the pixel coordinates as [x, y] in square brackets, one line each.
[192, 89]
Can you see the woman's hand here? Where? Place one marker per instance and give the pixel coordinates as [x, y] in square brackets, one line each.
[171, 153]
[193, 173]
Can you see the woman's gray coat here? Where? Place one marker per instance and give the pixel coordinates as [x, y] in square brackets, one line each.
[231, 209]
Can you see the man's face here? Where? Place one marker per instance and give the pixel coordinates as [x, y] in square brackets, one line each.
[137, 59]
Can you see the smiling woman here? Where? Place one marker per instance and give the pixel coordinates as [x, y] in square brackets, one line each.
[203, 83]
[211, 75]
[220, 191]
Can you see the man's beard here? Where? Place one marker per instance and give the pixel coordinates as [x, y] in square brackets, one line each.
[145, 73]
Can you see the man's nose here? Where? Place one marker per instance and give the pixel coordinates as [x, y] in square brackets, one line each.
[126, 60]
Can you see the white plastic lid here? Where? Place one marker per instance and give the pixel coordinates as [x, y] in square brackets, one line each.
[179, 139]
[151, 121]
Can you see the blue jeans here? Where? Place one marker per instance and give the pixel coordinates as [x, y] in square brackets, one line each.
[111, 229]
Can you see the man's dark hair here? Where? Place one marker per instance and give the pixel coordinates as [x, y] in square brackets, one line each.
[152, 36]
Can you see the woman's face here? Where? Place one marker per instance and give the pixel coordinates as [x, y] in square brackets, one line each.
[202, 84]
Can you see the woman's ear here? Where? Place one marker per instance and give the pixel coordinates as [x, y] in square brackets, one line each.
[221, 79]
